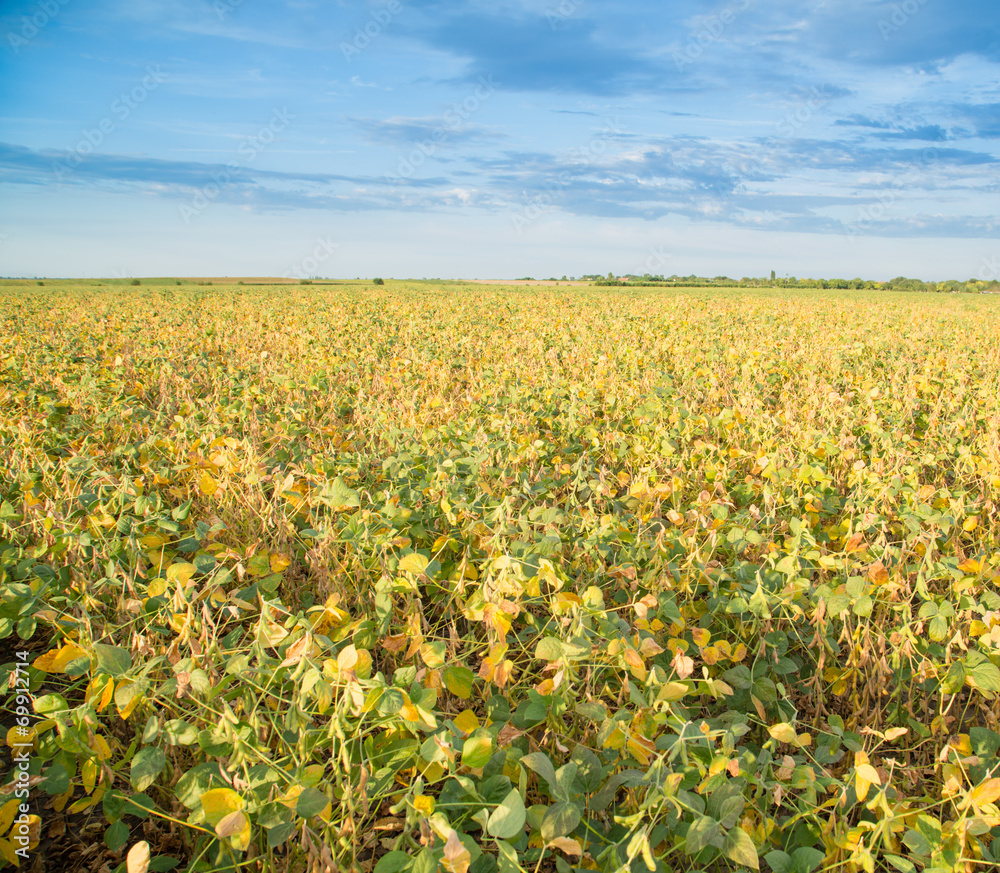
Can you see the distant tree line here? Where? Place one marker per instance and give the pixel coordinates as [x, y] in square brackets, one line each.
[900, 283]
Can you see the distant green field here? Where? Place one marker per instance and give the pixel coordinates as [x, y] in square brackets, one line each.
[477, 578]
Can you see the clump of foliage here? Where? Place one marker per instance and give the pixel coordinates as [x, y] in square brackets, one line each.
[502, 581]
[378, 281]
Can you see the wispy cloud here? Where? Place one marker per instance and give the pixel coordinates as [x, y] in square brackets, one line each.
[403, 131]
[747, 183]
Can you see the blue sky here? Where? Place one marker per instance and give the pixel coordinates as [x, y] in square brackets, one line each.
[415, 138]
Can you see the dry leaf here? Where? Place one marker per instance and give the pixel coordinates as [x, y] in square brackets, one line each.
[570, 847]
[682, 664]
[456, 857]
[137, 860]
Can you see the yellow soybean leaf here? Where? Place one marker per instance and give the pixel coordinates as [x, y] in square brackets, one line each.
[7, 853]
[347, 657]
[57, 660]
[156, 587]
[413, 563]
[128, 695]
[269, 632]
[363, 667]
[719, 763]
[615, 740]
[970, 524]
[217, 803]
[783, 732]
[107, 694]
[88, 773]
[633, 658]
[291, 797]
[434, 654]
[424, 804]
[85, 803]
[467, 721]
[672, 691]
[409, 712]
[861, 786]
[962, 744]
[869, 774]
[102, 747]
[545, 687]
[499, 621]
[701, 636]
[207, 485]
[985, 792]
[7, 812]
[329, 616]
[20, 736]
[34, 830]
[279, 563]
[503, 673]
[648, 648]
[180, 574]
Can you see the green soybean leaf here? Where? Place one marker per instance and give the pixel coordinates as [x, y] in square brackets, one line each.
[540, 763]
[560, 819]
[477, 749]
[311, 802]
[507, 820]
[457, 679]
[147, 764]
[738, 847]
[393, 862]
